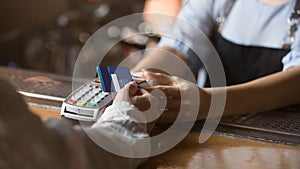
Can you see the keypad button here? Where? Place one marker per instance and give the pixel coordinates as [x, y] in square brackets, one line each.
[87, 88]
[88, 96]
[97, 99]
[94, 100]
[100, 96]
[91, 94]
[89, 104]
[97, 90]
[71, 101]
[80, 103]
[84, 99]
[95, 86]
[74, 97]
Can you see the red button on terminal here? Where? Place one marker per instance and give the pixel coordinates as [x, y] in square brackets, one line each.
[71, 101]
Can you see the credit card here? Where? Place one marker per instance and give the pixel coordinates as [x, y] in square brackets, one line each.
[113, 78]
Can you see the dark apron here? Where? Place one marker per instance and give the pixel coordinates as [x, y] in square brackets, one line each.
[245, 63]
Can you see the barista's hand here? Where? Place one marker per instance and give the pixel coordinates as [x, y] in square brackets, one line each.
[181, 95]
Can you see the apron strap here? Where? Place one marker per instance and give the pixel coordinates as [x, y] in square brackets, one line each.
[296, 12]
[293, 21]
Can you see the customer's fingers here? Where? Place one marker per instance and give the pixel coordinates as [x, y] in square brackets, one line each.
[132, 88]
[126, 92]
[142, 101]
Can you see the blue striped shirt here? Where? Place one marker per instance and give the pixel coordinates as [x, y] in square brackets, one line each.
[249, 22]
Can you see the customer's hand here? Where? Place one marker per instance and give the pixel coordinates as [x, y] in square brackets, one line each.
[132, 94]
[181, 96]
[141, 99]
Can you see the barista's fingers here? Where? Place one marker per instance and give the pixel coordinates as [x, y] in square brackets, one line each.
[169, 91]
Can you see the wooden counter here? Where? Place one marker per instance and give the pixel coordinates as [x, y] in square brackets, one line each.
[222, 152]
[219, 152]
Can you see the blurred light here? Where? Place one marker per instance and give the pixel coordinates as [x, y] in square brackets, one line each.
[113, 31]
[102, 10]
[146, 28]
[126, 32]
[84, 36]
[63, 21]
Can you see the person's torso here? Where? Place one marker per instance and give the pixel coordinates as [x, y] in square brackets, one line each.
[250, 41]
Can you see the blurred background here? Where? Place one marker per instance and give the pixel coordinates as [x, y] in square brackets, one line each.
[47, 35]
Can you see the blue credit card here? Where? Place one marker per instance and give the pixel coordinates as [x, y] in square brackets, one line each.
[113, 78]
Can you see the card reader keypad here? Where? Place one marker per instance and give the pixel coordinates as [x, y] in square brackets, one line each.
[87, 96]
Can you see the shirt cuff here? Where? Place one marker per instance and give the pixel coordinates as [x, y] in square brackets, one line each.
[185, 49]
[175, 43]
[292, 59]
[120, 114]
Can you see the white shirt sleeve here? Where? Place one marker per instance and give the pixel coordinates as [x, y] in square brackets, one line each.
[101, 145]
[118, 133]
[196, 19]
[292, 59]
